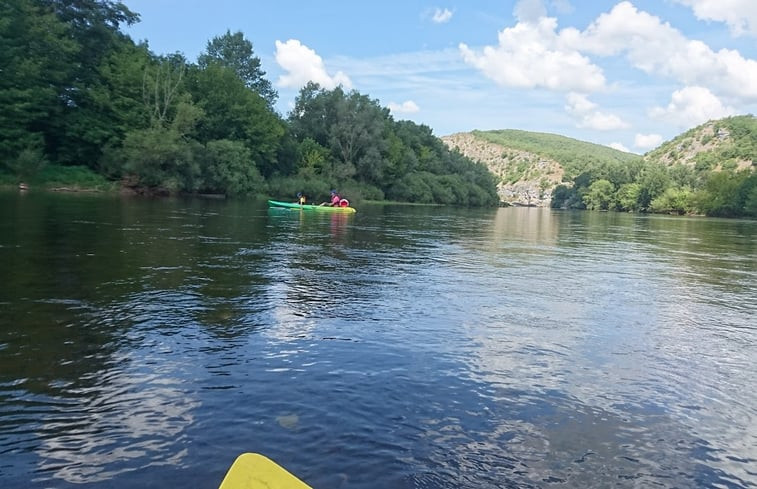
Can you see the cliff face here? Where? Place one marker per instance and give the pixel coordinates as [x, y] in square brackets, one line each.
[526, 179]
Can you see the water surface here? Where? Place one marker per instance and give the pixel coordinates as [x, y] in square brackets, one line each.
[147, 343]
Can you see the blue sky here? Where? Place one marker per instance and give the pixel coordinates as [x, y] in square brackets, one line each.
[627, 74]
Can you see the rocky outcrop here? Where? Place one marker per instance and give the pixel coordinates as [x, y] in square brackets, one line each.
[709, 146]
[525, 179]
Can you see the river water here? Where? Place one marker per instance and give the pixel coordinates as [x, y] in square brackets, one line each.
[147, 343]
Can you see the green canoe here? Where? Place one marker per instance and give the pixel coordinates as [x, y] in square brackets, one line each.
[307, 207]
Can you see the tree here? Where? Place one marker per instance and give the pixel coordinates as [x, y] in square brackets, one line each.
[37, 59]
[600, 195]
[627, 197]
[114, 105]
[229, 169]
[162, 87]
[235, 52]
[355, 137]
[236, 113]
[653, 181]
[673, 199]
[75, 134]
[164, 155]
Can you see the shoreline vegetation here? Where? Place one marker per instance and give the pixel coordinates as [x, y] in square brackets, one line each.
[85, 108]
[80, 93]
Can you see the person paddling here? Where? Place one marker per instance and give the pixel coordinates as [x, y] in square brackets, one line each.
[334, 199]
[301, 199]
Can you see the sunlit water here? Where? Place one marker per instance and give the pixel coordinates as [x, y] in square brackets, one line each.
[148, 343]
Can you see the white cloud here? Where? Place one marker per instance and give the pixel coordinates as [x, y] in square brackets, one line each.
[302, 65]
[584, 110]
[657, 48]
[562, 6]
[529, 10]
[740, 15]
[647, 141]
[441, 16]
[406, 107]
[532, 55]
[619, 147]
[579, 104]
[692, 106]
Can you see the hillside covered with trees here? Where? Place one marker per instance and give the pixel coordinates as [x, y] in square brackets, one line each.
[710, 169]
[81, 101]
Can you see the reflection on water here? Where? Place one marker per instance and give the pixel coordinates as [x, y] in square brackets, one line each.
[147, 343]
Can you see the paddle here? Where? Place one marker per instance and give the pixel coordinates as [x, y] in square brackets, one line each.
[255, 471]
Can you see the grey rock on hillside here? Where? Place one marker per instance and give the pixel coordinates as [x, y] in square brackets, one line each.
[525, 179]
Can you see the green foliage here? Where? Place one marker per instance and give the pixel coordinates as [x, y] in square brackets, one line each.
[235, 52]
[750, 204]
[599, 195]
[37, 56]
[77, 91]
[673, 200]
[29, 161]
[736, 139]
[228, 168]
[573, 155]
[728, 194]
[234, 112]
[627, 197]
[112, 105]
[161, 157]
[315, 188]
[347, 137]
[72, 177]
[653, 180]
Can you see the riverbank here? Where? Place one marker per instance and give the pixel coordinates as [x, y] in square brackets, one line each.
[58, 178]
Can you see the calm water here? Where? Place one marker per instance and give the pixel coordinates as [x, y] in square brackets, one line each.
[147, 343]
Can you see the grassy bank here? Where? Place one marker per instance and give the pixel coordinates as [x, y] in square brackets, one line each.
[62, 178]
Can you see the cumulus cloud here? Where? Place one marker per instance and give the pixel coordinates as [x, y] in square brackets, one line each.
[532, 55]
[647, 141]
[739, 15]
[692, 106]
[619, 147]
[585, 111]
[441, 16]
[657, 48]
[406, 107]
[529, 10]
[562, 6]
[303, 65]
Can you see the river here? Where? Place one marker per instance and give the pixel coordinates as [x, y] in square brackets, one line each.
[147, 343]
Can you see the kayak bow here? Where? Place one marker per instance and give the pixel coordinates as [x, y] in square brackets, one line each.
[255, 471]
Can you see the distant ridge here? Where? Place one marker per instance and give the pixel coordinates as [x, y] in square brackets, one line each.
[530, 165]
[724, 144]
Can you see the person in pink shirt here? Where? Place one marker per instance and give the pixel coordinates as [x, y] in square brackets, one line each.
[334, 199]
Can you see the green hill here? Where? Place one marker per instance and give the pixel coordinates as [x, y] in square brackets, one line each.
[709, 169]
[530, 165]
[725, 144]
[573, 155]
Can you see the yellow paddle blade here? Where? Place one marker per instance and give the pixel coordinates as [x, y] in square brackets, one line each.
[254, 471]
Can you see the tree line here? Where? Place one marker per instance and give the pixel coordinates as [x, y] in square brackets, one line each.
[78, 92]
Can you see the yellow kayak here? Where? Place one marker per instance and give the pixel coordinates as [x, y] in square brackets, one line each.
[254, 471]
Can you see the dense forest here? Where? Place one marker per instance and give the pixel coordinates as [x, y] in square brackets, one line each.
[81, 101]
